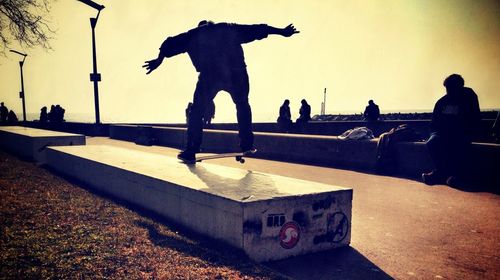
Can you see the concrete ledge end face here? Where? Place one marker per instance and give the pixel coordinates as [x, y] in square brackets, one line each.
[31, 143]
[281, 228]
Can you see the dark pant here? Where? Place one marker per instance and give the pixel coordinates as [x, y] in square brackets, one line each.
[451, 156]
[234, 81]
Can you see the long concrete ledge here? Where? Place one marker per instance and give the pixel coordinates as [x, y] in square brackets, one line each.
[412, 157]
[30, 143]
[270, 217]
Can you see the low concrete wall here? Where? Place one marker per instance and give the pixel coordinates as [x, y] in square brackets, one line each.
[270, 217]
[412, 158]
[88, 129]
[30, 143]
[324, 150]
[335, 128]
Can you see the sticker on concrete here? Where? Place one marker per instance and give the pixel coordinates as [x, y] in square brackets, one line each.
[275, 220]
[289, 235]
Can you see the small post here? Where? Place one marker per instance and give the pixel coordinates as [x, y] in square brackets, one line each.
[324, 102]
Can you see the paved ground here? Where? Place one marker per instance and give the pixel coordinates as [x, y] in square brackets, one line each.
[400, 228]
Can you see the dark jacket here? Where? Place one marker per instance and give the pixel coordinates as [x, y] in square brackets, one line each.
[456, 115]
[216, 46]
[285, 113]
[305, 112]
[372, 112]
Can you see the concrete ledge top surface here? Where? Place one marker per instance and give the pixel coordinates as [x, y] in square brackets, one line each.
[232, 183]
[235, 132]
[34, 132]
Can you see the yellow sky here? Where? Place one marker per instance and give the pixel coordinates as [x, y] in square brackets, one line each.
[395, 52]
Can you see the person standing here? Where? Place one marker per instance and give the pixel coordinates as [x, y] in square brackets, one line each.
[4, 112]
[454, 120]
[52, 114]
[372, 112]
[43, 115]
[216, 53]
[285, 117]
[209, 113]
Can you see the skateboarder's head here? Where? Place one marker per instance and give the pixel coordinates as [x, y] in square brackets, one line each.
[205, 23]
[453, 83]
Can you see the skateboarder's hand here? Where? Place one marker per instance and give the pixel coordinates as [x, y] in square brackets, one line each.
[289, 30]
[152, 65]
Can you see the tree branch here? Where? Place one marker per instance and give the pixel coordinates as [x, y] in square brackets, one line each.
[25, 21]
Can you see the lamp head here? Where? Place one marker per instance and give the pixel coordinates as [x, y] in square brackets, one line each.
[20, 53]
[92, 4]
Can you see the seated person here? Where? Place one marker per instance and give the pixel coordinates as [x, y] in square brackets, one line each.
[305, 112]
[454, 119]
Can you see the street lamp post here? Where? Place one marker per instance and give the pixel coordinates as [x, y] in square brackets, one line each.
[95, 77]
[21, 94]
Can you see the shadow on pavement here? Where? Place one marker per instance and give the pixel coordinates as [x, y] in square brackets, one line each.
[340, 263]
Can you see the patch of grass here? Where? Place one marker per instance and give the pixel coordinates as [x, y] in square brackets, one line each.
[52, 228]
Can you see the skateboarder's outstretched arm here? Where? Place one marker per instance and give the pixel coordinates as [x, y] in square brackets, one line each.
[243, 33]
[249, 33]
[151, 65]
[170, 47]
[286, 32]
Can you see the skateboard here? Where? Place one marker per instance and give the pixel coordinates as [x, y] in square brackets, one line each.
[238, 156]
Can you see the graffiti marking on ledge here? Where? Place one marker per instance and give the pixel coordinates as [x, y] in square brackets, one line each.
[337, 229]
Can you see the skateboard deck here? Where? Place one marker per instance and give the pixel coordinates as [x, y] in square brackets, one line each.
[238, 156]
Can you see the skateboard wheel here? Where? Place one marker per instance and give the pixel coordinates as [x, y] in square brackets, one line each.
[242, 160]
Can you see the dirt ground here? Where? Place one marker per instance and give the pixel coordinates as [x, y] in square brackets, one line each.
[52, 228]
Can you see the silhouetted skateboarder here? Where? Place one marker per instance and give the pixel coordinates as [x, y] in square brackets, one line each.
[216, 53]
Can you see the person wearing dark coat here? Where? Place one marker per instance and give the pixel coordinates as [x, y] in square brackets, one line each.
[455, 118]
[285, 117]
[372, 112]
[43, 115]
[304, 112]
[4, 112]
[12, 118]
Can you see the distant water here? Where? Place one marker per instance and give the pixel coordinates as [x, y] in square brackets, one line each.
[85, 118]
[90, 118]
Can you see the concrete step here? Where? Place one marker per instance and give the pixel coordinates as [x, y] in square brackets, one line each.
[270, 217]
[30, 143]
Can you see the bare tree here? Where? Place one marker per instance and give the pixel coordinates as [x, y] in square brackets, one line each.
[25, 21]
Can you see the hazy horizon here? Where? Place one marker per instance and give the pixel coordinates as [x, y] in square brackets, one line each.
[394, 52]
[89, 118]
